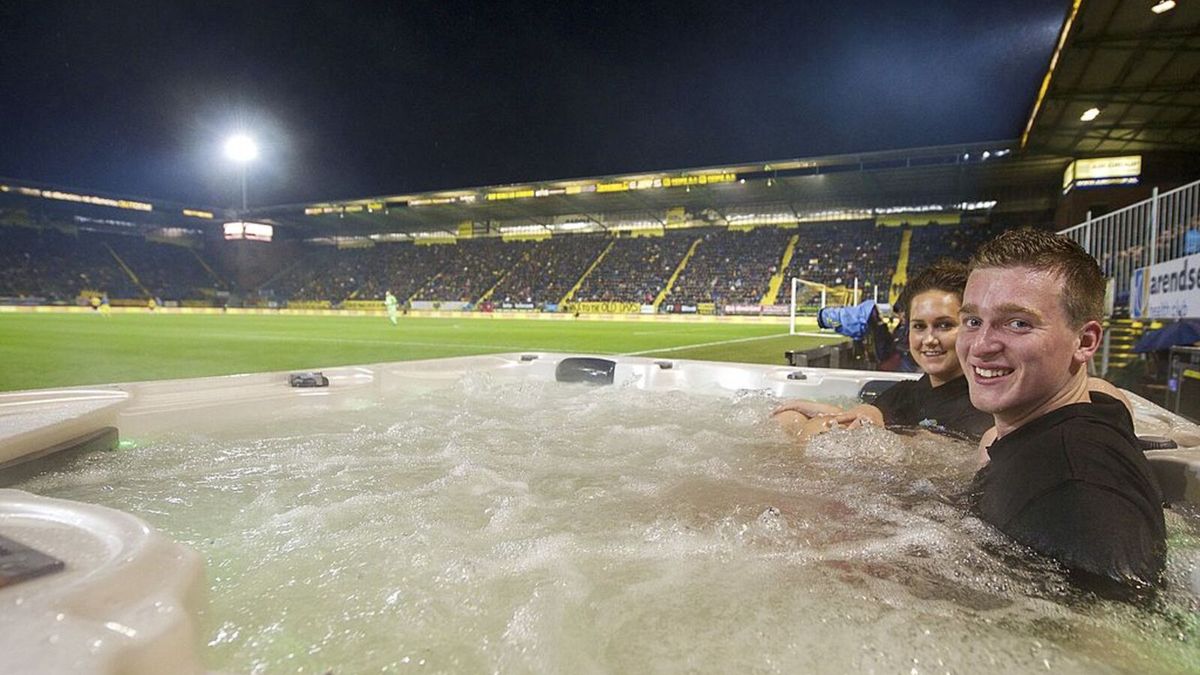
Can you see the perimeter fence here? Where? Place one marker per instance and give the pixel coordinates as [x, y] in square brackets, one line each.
[1164, 227]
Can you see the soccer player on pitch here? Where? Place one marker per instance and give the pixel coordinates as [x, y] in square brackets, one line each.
[391, 303]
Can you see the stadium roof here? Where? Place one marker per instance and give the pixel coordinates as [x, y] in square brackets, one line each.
[944, 176]
[1138, 68]
[26, 203]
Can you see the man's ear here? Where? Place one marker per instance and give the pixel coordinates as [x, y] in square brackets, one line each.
[1089, 341]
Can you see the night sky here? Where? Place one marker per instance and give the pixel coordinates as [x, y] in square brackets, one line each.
[350, 99]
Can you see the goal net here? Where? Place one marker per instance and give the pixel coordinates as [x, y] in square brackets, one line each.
[809, 297]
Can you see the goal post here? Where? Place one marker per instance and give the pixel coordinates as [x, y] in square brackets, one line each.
[797, 283]
[836, 295]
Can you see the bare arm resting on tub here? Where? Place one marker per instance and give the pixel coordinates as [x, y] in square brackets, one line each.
[806, 419]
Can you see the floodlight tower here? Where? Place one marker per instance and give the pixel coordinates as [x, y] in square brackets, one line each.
[241, 149]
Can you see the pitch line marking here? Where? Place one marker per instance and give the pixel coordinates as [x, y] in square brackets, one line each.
[506, 348]
[724, 342]
[312, 338]
[703, 344]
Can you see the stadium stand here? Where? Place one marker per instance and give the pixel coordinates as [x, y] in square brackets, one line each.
[470, 268]
[333, 274]
[958, 242]
[727, 266]
[50, 264]
[731, 267]
[400, 268]
[330, 274]
[835, 254]
[164, 270]
[58, 266]
[550, 270]
[636, 269]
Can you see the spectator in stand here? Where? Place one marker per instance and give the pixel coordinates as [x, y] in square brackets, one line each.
[57, 266]
[838, 253]
[731, 267]
[636, 269]
[549, 272]
[957, 242]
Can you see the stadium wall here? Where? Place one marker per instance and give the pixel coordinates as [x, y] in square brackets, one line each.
[489, 316]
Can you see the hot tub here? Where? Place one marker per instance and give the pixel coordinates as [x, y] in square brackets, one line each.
[473, 513]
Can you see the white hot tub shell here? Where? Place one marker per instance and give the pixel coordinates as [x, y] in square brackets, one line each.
[127, 597]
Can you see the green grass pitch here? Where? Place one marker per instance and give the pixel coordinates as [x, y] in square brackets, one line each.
[52, 350]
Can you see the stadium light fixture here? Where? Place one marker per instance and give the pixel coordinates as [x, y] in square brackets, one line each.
[1164, 6]
[1089, 115]
[241, 149]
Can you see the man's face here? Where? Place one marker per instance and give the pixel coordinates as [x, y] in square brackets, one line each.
[1016, 343]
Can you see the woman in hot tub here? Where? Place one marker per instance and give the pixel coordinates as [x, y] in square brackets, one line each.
[939, 401]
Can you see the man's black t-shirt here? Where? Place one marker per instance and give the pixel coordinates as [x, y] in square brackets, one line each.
[917, 403]
[1074, 485]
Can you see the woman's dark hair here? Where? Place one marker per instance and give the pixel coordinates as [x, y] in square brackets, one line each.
[949, 276]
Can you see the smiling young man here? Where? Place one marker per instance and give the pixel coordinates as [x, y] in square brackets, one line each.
[1066, 476]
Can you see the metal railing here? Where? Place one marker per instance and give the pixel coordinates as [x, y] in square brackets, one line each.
[1140, 235]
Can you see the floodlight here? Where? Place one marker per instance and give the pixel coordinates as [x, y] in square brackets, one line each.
[1089, 115]
[241, 148]
[1164, 6]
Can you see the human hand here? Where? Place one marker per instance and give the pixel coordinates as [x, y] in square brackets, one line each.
[807, 408]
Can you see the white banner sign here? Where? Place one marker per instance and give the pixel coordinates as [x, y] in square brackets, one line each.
[1169, 290]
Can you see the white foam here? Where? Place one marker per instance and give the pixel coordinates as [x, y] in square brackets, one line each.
[528, 526]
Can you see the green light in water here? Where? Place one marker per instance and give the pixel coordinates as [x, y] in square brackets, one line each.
[126, 445]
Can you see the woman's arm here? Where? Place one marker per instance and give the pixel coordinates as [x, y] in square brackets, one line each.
[860, 415]
[808, 408]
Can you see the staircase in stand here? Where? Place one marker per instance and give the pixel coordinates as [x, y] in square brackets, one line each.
[662, 295]
[772, 294]
[900, 278]
[571, 293]
[1122, 334]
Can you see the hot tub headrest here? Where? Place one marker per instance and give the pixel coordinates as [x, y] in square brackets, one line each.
[19, 562]
[1156, 443]
[313, 379]
[873, 388]
[585, 369]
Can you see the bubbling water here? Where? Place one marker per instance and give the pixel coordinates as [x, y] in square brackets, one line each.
[524, 526]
